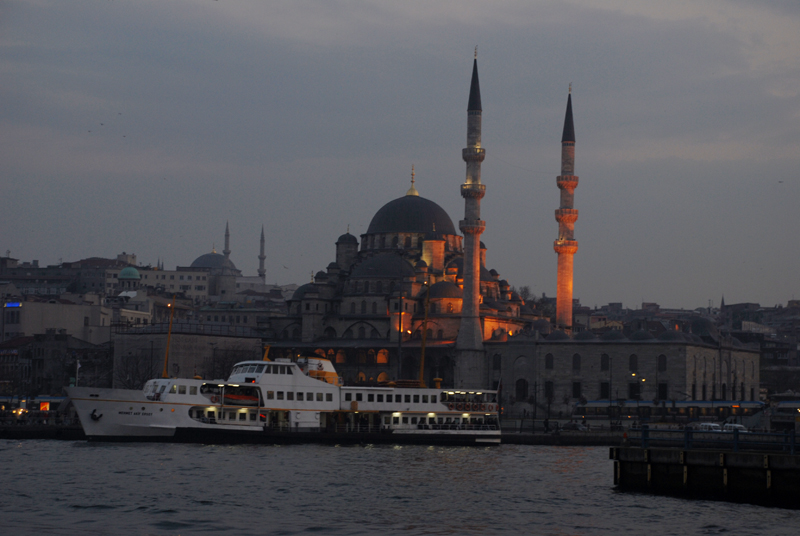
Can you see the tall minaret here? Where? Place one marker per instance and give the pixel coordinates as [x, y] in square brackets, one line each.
[469, 344]
[566, 246]
[227, 250]
[262, 273]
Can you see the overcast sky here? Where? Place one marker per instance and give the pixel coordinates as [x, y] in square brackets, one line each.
[143, 126]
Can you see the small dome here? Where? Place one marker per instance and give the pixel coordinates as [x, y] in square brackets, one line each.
[458, 262]
[302, 290]
[129, 273]
[542, 326]
[320, 275]
[558, 335]
[446, 289]
[585, 336]
[613, 335]
[421, 264]
[483, 246]
[385, 266]
[641, 335]
[671, 335]
[347, 238]
[515, 297]
[504, 283]
[494, 272]
[333, 266]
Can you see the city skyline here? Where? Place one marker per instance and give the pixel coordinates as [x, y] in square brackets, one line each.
[145, 127]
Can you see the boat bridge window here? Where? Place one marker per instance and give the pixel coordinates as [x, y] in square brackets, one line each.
[395, 420]
[289, 395]
[424, 399]
[380, 399]
[370, 397]
[359, 397]
[405, 420]
[173, 389]
[309, 396]
[413, 420]
[280, 395]
[243, 416]
[408, 399]
[319, 397]
[397, 398]
[348, 397]
[329, 397]
[181, 389]
[416, 399]
[300, 396]
[270, 395]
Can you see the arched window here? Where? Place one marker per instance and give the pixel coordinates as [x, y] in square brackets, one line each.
[373, 334]
[366, 287]
[576, 362]
[449, 307]
[522, 390]
[633, 363]
[429, 334]
[353, 308]
[362, 333]
[604, 362]
[341, 357]
[662, 363]
[383, 241]
[395, 241]
[296, 334]
[391, 287]
[432, 308]
[383, 358]
[548, 362]
[363, 307]
[440, 334]
[362, 357]
[330, 333]
[371, 357]
[383, 377]
[408, 242]
[379, 288]
[374, 308]
[361, 378]
[497, 359]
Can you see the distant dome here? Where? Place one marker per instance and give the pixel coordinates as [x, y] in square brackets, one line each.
[558, 335]
[347, 238]
[585, 336]
[411, 214]
[384, 266]
[458, 262]
[129, 273]
[213, 261]
[542, 326]
[320, 275]
[641, 335]
[612, 335]
[302, 290]
[446, 289]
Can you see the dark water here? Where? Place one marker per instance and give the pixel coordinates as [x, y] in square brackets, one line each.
[53, 487]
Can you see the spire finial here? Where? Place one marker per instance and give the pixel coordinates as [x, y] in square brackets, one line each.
[312, 276]
[348, 228]
[476, 52]
[413, 189]
[213, 247]
[570, 88]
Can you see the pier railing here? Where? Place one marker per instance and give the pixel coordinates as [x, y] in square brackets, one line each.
[735, 441]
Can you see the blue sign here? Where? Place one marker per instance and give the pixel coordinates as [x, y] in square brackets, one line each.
[12, 304]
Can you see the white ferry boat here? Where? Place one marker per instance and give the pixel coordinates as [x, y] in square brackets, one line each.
[285, 401]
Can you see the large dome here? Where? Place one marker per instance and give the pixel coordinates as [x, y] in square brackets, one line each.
[383, 266]
[411, 214]
[213, 261]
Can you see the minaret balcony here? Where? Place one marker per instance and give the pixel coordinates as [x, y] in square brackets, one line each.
[567, 182]
[570, 247]
[474, 190]
[566, 215]
[473, 154]
[473, 227]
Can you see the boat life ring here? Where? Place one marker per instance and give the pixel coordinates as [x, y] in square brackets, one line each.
[319, 366]
[458, 407]
[476, 407]
[450, 406]
[214, 399]
[491, 407]
[483, 407]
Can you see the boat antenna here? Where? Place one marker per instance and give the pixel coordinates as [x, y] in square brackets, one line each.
[424, 335]
[165, 372]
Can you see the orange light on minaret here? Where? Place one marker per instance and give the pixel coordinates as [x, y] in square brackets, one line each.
[565, 245]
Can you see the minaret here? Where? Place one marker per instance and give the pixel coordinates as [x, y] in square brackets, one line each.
[469, 344]
[566, 246]
[262, 273]
[227, 250]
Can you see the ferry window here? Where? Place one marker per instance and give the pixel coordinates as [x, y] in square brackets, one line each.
[289, 370]
[290, 395]
[329, 397]
[416, 399]
[252, 416]
[424, 399]
[380, 399]
[282, 369]
[408, 399]
[231, 416]
[441, 420]
[319, 397]
[433, 399]
[243, 416]
[348, 397]
[181, 389]
[211, 414]
[431, 420]
[359, 397]
[251, 368]
[259, 369]
[300, 396]
[173, 389]
[280, 395]
[397, 398]
[413, 420]
[405, 420]
[395, 420]
[309, 396]
[370, 398]
[386, 419]
[192, 389]
[270, 395]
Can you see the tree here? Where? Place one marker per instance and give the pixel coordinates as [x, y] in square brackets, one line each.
[133, 370]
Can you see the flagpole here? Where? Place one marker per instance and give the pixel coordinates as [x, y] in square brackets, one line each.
[77, 369]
